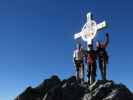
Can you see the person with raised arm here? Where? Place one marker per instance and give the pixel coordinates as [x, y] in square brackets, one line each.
[103, 56]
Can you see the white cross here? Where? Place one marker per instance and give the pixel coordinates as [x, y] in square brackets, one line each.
[90, 29]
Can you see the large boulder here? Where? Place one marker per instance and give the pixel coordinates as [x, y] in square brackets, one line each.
[38, 92]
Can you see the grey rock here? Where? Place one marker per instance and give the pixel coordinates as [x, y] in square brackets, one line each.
[38, 92]
[70, 89]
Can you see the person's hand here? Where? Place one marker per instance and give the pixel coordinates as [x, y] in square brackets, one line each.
[107, 35]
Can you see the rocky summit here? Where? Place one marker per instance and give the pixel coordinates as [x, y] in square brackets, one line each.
[69, 89]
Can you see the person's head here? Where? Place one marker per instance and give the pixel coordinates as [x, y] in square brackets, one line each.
[78, 46]
[90, 46]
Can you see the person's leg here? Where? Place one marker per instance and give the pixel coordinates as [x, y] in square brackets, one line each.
[101, 69]
[93, 72]
[80, 73]
[77, 70]
[104, 71]
[89, 73]
[77, 75]
[83, 74]
[95, 68]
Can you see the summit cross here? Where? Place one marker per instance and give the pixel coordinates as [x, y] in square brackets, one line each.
[90, 29]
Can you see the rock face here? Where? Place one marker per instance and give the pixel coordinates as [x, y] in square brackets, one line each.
[70, 89]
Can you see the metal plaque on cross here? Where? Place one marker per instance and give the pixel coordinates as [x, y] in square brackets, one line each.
[90, 29]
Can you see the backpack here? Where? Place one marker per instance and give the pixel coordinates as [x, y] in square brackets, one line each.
[91, 57]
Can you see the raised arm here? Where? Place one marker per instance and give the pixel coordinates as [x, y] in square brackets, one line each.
[74, 56]
[106, 41]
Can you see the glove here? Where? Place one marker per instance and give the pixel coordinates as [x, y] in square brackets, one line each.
[107, 35]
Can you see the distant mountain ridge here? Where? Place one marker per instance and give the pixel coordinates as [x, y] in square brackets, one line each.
[69, 89]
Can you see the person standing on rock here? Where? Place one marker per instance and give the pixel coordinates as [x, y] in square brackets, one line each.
[78, 56]
[102, 56]
[91, 62]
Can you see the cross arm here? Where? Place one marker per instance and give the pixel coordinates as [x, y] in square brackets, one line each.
[101, 25]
